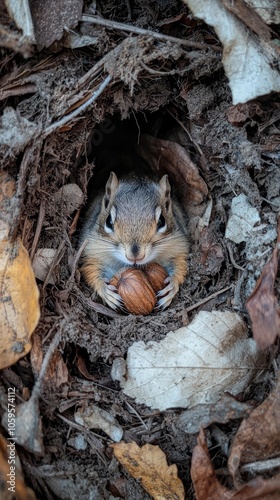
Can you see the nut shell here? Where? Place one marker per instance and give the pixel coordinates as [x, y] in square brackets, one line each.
[156, 275]
[136, 291]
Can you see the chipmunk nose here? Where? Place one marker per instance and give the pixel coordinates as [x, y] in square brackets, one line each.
[135, 253]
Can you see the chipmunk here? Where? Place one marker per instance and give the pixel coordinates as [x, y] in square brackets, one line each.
[134, 222]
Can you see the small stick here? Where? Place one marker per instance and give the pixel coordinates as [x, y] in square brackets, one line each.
[140, 31]
[187, 132]
[96, 306]
[54, 263]
[137, 414]
[203, 301]
[60, 123]
[163, 73]
[21, 186]
[52, 347]
[40, 221]
[75, 263]
[237, 266]
[261, 466]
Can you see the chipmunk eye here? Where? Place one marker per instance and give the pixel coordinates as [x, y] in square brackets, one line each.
[161, 225]
[109, 225]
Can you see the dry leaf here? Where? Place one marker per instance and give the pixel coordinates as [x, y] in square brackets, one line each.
[51, 18]
[242, 219]
[56, 373]
[148, 464]
[15, 131]
[93, 417]
[262, 304]
[203, 475]
[81, 364]
[239, 114]
[194, 365]
[212, 254]
[207, 485]
[19, 304]
[225, 410]
[28, 425]
[19, 307]
[7, 483]
[268, 10]
[42, 262]
[69, 198]
[258, 437]
[171, 158]
[20, 13]
[249, 17]
[248, 64]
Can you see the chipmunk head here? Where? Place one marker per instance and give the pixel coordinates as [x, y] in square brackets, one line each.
[136, 216]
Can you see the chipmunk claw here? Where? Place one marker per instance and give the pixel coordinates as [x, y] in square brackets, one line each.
[111, 297]
[167, 294]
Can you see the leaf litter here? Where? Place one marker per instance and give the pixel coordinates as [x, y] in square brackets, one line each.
[153, 72]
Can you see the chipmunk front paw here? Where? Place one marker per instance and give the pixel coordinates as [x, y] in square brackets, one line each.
[110, 295]
[168, 293]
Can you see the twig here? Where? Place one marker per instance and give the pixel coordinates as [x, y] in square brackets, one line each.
[140, 31]
[40, 221]
[52, 329]
[94, 305]
[60, 123]
[81, 427]
[53, 345]
[163, 73]
[187, 132]
[261, 466]
[137, 414]
[75, 263]
[237, 266]
[30, 88]
[54, 263]
[203, 301]
[21, 187]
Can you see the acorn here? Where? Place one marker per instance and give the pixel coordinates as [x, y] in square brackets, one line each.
[136, 291]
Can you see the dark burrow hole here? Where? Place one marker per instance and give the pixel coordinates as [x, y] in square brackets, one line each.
[114, 146]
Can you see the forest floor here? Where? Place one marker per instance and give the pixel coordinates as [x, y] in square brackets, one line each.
[167, 105]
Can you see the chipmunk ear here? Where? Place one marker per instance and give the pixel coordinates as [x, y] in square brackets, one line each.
[165, 191]
[110, 188]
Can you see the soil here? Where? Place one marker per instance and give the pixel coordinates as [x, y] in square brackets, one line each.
[235, 150]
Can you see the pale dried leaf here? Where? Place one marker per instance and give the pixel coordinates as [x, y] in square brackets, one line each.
[248, 65]
[193, 365]
[20, 13]
[15, 131]
[242, 220]
[268, 10]
[42, 262]
[69, 198]
[28, 426]
[93, 417]
[52, 17]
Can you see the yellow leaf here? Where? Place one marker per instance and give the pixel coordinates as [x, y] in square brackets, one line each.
[148, 464]
[19, 295]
